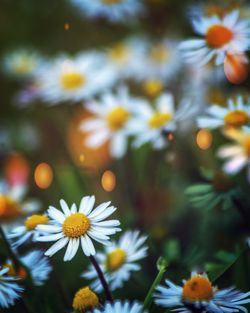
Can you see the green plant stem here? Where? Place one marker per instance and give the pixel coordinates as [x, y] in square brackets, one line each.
[102, 279]
[9, 249]
[148, 299]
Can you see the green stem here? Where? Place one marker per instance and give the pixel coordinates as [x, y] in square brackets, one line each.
[9, 249]
[148, 299]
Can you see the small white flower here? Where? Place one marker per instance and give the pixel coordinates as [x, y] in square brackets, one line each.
[9, 289]
[113, 10]
[236, 114]
[38, 266]
[72, 227]
[74, 79]
[22, 63]
[204, 296]
[121, 307]
[24, 233]
[109, 123]
[119, 260]
[227, 35]
[237, 154]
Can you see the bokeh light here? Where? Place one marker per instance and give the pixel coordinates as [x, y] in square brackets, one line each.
[16, 169]
[204, 139]
[43, 175]
[236, 68]
[108, 181]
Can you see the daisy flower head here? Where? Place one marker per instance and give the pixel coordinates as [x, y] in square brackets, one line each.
[13, 203]
[237, 155]
[72, 227]
[221, 36]
[22, 63]
[119, 260]
[218, 190]
[236, 114]
[112, 10]
[109, 123]
[24, 233]
[9, 290]
[121, 307]
[85, 299]
[74, 79]
[198, 293]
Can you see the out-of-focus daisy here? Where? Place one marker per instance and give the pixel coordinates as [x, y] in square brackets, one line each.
[153, 87]
[73, 227]
[9, 290]
[74, 79]
[219, 190]
[24, 233]
[198, 293]
[221, 36]
[22, 63]
[109, 123]
[237, 154]
[119, 260]
[85, 299]
[236, 114]
[13, 203]
[121, 307]
[152, 123]
[113, 10]
[37, 265]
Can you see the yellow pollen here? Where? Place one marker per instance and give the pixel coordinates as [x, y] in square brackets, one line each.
[117, 118]
[85, 299]
[72, 80]
[119, 53]
[153, 87]
[236, 118]
[159, 54]
[246, 145]
[159, 119]
[115, 259]
[12, 271]
[218, 35]
[76, 225]
[9, 208]
[197, 288]
[34, 220]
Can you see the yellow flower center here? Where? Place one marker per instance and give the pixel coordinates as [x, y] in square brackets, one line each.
[197, 288]
[246, 145]
[159, 119]
[218, 35]
[21, 273]
[76, 225]
[115, 259]
[72, 80]
[119, 53]
[24, 66]
[236, 118]
[9, 208]
[222, 182]
[117, 118]
[34, 220]
[85, 299]
[159, 54]
[153, 87]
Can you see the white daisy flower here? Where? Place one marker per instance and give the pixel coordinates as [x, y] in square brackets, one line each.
[9, 289]
[121, 307]
[113, 10]
[72, 227]
[237, 154]
[227, 35]
[119, 260]
[13, 203]
[236, 114]
[74, 79]
[111, 115]
[38, 266]
[22, 63]
[199, 293]
[150, 123]
[26, 232]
